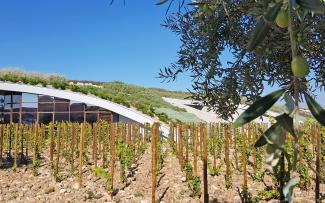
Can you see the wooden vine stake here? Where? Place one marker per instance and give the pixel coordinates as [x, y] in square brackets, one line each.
[235, 149]
[318, 155]
[58, 143]
[129, 135]
[81, 149]
[254, 149]
[103, 147]
[35, 143]
[21, 135]
[51, 143]
[16, 147]
[213, 145]
[181, 139]
[205, 165]
[112, 155]
[99, 137]
[28, 129]
[94, 151]
[196, 135]
[201, 142]
[8, 139]
[244, 157]
[1, 141]
[73, 142]
[42, 135]
[227, 157]
[154, 138]
[171, 135]
[186, 137]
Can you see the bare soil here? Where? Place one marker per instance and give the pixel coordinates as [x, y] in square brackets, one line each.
[23, 186]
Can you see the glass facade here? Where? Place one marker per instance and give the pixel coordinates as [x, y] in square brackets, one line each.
[27, 108]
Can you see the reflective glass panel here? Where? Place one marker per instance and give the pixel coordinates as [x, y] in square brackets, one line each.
[45, 107]
[45, 118]
[29, 107]
[77, 107]
[77, 117]
[91, 117]
[45, 98]
[28, 118]
[29, 98]
[61, 117]
[62, 107]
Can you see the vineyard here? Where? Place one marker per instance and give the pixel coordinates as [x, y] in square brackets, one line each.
[132, 163]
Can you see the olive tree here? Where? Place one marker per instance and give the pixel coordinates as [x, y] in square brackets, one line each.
[272, 42]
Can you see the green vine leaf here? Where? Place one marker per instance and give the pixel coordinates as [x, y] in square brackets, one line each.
[258, 108]
[316, 6]
[262, 27]
[316, 110]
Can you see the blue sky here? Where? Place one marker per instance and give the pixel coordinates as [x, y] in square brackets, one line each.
[91, 40]
[87, 39]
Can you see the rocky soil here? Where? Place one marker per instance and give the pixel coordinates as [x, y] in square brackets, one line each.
[23, 186]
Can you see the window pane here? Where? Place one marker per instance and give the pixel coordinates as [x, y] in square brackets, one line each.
[45, 107]
[6, 118]
[115, 117]
[8, 99]
[77, 117]
[77, 107]
[45, 98]
[15, 107]
[104, 116]
[45, 118]
[91, 117]
[28, 118]
[15, 117]
[102, 109]
[56, 99]
[7, 108]
[62, 107]
[29, 98]
[16, 98]
[29, 107]
[91, 108]
[61, 117]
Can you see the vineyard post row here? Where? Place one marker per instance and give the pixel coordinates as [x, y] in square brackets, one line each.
[117, 141]
[236, 141]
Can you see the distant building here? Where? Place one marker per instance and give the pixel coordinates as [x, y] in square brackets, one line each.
[20, 103]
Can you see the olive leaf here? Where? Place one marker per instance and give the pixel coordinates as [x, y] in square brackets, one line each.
[288, 189]
[316, 110]
[272, 157]
[289, 103]
[262, 26]
[286, 122]
[161, 2]
[270, 135]
[258, 108]
[317, 6]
